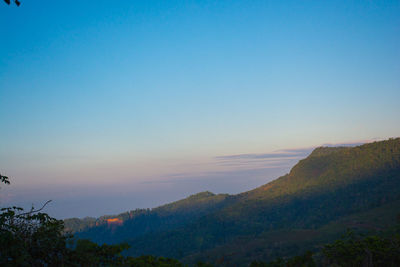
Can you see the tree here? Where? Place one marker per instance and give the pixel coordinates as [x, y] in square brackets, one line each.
[371, 250]
[30, 238]
[304, 260]
[34, 238]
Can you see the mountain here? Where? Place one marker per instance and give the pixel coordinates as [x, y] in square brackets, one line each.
[333, 189]
[141, 221]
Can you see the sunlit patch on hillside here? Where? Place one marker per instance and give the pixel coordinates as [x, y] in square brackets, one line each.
[115, 221]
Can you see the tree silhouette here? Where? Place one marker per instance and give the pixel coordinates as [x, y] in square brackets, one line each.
[4, 179]
[34, 238]
[18, 3]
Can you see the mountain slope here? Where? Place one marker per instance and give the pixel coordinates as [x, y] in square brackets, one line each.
[141, 221]
[329, 185]
[289, 242]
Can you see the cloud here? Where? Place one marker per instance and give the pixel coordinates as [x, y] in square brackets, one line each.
[344, 144]
[244, 167]
[260, 156]
[281, 158]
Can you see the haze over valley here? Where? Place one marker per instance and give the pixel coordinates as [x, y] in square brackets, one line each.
[231, 133]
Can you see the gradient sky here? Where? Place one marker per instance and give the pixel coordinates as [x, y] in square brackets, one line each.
[107, 106]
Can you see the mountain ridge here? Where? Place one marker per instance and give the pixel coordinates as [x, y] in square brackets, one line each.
[331, 183]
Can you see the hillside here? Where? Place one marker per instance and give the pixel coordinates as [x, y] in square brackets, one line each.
[329, 191]
[141, 221]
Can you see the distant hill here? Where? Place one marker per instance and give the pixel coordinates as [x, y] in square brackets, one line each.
[141, 221]
[333, 189]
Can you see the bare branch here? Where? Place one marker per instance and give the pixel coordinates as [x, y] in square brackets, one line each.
[34, 211]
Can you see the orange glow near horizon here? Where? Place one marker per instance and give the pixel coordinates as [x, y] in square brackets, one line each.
[115, 221]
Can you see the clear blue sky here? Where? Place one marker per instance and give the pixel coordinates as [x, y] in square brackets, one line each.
[113, 93]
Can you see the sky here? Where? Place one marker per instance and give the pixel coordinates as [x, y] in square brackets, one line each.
[108, 106]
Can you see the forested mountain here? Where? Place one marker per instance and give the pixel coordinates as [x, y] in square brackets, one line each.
[331, 190]
[141, 221]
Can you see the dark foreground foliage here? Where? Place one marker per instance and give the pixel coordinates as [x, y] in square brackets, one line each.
[349, 251]
[363, 251]
[34, 238]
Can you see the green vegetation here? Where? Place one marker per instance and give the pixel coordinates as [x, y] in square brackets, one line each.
[34, 238]
[141, 221]
[287, 222]
[367, 251]
[331, 190]
[305, 260]
[349, 251]
[30, 239]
